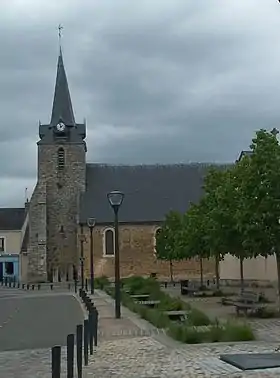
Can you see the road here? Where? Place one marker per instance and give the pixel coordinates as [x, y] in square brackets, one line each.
[32, 320]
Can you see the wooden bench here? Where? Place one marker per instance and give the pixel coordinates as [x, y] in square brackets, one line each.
[149, 303]
[189, 288]
[178, 315]
[140, 297]
[248, 301]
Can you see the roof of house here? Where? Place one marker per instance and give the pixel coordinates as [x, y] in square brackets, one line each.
[151, 191]
[244, 153]
[11, 218]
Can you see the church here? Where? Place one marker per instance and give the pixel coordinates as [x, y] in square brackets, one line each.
[70, 190]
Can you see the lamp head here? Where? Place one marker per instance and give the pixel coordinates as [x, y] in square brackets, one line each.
[115, 199]
[91, 222]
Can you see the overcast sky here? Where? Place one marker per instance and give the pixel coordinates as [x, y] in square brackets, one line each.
[159, 81]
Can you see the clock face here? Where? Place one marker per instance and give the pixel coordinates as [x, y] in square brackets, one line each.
[60, 126]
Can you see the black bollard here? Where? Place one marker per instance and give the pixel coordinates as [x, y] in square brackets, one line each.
[80, 293]
[56, 361]
[51, 286]
[86, 340]
[10, 284]
[70, 355]
[165, 285]
[76, 286]
[18, 285]
[23, 285]
[27, 286]
[91, 332]
[33, 287]
[14, 283]
[79, 350]
[39, 286]
[86, 284]
[95, 325]
[6, 281]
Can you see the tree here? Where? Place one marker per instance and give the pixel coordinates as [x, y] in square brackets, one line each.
[232, 206]
[166, 239]
[216, 216]
[192, 240]
[261, 191]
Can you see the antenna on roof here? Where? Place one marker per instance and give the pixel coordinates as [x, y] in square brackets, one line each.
[26, 195]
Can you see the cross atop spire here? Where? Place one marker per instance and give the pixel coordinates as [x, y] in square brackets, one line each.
[62, 110]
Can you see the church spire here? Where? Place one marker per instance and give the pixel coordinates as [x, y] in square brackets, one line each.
[62, 106]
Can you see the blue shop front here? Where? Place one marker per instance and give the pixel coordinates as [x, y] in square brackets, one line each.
[9, 267]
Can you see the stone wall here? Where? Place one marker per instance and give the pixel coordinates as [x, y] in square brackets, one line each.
[37, 249]
[63, 188]
[137, 255]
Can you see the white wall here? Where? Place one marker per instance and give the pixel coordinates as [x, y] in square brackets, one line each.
[254, 269]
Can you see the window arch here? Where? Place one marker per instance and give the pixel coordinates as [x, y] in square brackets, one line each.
[109, 242]
[60, 158]
[157, 230]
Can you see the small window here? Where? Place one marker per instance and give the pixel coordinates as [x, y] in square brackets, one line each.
[9, 268]
[60, 159]
[109, 242]
[2, 244]
[157, 231]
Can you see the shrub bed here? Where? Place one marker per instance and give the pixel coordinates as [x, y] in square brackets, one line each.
[197, 328]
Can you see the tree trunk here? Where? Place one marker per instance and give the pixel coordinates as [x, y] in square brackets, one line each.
[241, 274]
[217, 272]
[278, 274]
[201, 272]
[171, 270]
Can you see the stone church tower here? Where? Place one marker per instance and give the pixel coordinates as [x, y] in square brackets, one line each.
[53, 209]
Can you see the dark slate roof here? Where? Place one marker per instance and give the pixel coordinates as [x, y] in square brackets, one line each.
[11, 218]
[151, 191]
[62, 106]
[62, 111]
[244, 153]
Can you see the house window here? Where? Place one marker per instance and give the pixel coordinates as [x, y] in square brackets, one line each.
[60, 158]
[2, 244]
[9, 268]
[157, 231]
[109, 242]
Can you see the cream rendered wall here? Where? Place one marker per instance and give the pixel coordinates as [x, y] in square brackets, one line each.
[12, 241]
[254, 269]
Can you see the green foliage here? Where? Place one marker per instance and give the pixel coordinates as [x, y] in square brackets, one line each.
[101, 282]
[214, 333]
[192, 240]
[166, 237]
[198, 318]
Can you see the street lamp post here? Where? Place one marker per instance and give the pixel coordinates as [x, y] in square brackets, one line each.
[115, 199]
[91, 224]
[82, 258]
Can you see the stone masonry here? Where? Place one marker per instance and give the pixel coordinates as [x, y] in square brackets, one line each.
[62, 190]
[137, 255]
[37, 248]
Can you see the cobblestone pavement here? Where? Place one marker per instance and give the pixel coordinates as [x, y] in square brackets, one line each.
[132, 348]
[137, 356]
[149, 358]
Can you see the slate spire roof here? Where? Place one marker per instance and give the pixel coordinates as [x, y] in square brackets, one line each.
[62, 109]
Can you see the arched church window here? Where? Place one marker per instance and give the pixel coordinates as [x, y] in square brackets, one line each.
[157, 231]
[109, 242]
[60, 158]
